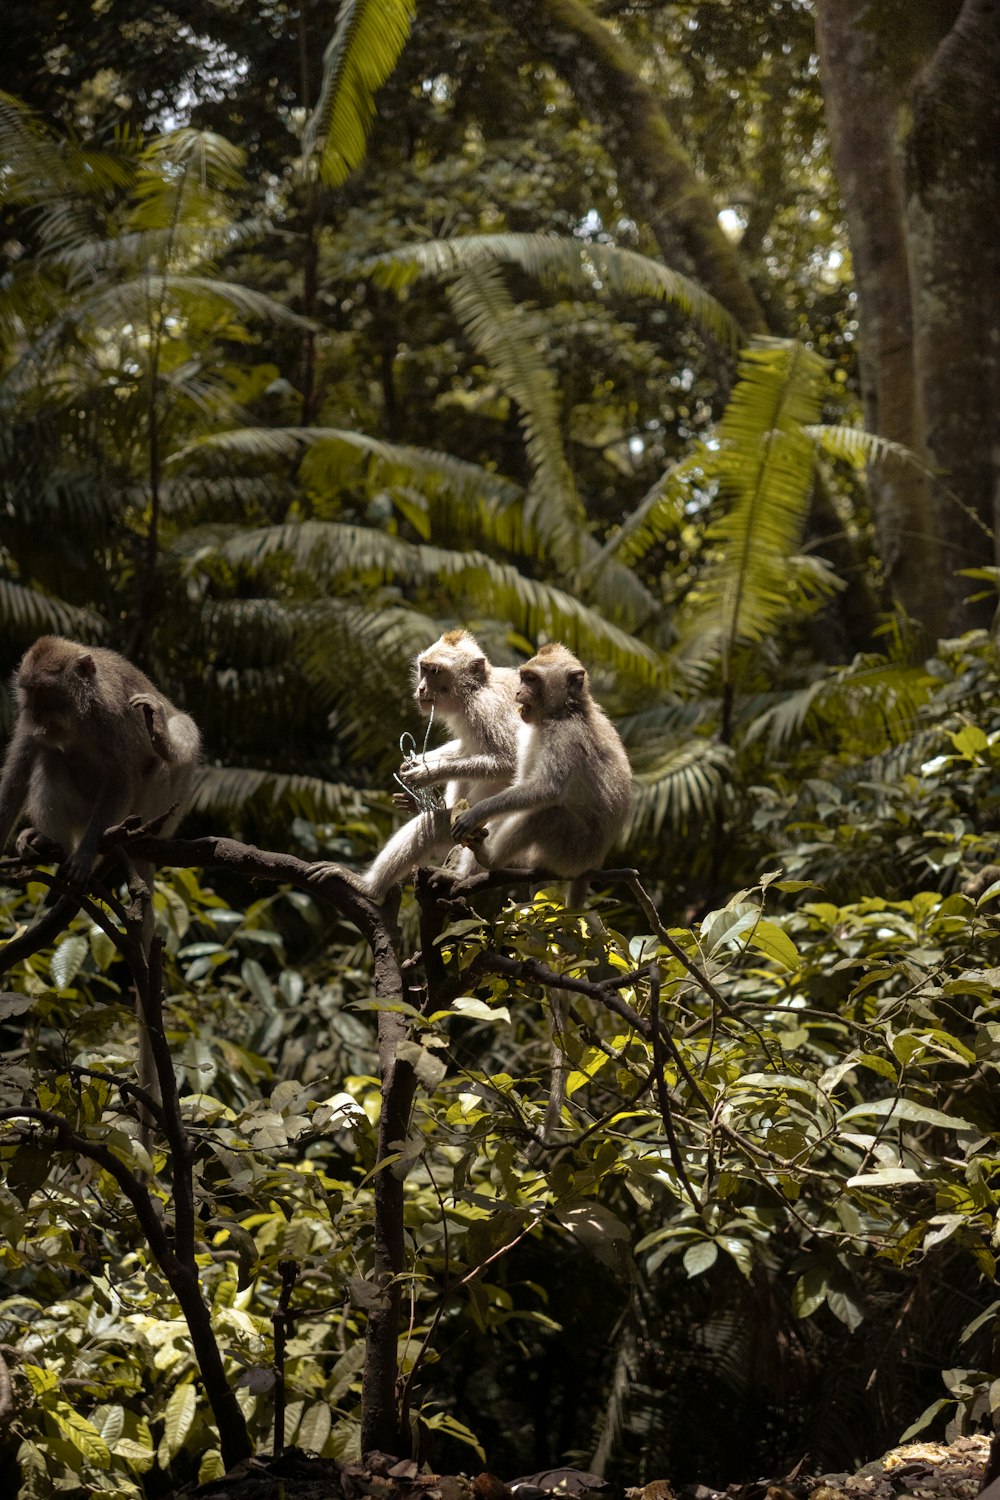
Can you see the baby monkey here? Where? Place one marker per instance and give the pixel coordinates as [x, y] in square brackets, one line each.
[573, 784]
[94, 742]
[477, 702]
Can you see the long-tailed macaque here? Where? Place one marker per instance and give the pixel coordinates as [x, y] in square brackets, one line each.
[565, 808]
[477, 702]
[571, 793]
[94, 743]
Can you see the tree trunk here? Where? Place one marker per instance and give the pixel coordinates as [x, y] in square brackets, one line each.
[953, 193]
[913, 112]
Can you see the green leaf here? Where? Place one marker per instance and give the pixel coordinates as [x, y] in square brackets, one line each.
[315, 1428]
[904, 1109]
[700, 1257]
[68, 959]
[178, 1419]
[211, 1466]
[770, 939]
[84, 1437]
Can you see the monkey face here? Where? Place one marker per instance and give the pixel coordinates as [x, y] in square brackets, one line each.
[530, 696]
[433, 684]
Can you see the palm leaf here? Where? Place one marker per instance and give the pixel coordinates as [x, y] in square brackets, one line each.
[555, 260]
[685, 785]
[230, 793]
[465, 481]
[499, 330]
[363, 52]
[26, 613]
[344, 552]
[764, 464]
[859, 447]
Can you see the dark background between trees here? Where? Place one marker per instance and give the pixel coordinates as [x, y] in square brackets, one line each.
[669, 330]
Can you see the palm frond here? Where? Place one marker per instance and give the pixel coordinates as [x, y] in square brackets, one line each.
[465, 481]
[57, 180]
[339, 551]
[26, 613]
[363, 52]
[859, 447]
[128, 301]
[764, 464]
[685, 785]
[229, 793]
[871, 701]
[560, 261]
[499, 330]
[661, 511]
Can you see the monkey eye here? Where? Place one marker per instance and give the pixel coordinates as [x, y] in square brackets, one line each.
[529, 678]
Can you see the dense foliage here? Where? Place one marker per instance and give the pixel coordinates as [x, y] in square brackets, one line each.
[275, 413]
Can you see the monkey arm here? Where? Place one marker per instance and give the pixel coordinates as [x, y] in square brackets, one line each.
[110, 806]
[482, 767]
[14, 783]
[538, 792]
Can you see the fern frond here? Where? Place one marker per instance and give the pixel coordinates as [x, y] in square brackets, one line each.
[128, 301]
[560, 261]
[363, 52]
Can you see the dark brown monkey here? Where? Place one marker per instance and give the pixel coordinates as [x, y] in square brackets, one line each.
[476, 701]
[573, 785]
[94, 743]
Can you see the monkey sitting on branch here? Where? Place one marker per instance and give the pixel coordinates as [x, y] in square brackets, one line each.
[454, 682]
[571, 793]
[94, 743]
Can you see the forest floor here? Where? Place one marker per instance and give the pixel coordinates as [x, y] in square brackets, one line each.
[915, 1471]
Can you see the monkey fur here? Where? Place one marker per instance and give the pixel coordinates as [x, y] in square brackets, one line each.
[94, 743]
[477, 702]
[571, 792]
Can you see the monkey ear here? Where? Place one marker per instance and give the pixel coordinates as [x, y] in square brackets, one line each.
[477, 666]
[576, 678]
[85, 666]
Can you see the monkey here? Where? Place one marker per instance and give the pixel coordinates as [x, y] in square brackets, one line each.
[565, 808]
[573, 783]
[94, 742]
[477, 702]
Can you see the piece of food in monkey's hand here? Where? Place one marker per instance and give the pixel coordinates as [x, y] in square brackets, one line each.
[464, 827]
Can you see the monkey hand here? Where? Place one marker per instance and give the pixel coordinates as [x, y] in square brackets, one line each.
[156, 722]
[405, 801]
[467, 828]
[417, 773]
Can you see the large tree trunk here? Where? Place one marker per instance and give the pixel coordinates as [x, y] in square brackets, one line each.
[914, 117]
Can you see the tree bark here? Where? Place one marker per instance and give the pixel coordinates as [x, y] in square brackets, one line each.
[914, 117]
